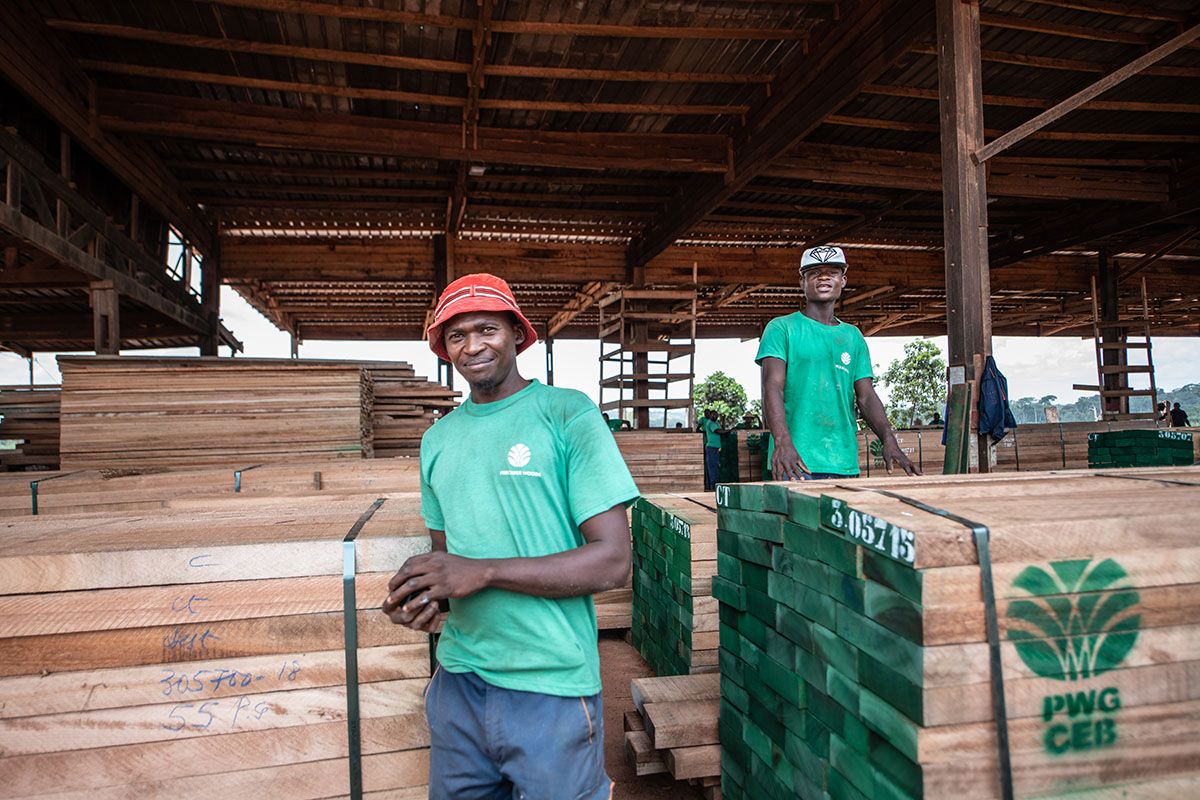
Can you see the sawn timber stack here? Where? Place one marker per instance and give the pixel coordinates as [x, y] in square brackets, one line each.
[673, 728]
[674, 559]
[855, 658]
[202, 652]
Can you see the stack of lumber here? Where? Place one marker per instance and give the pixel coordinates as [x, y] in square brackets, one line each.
[854, 650]
[405, 406]
[1141, 448]
[201, 652]
[97, 490]
[664, 461]
[131, 411]
[673, 728]
[30, 418]
[750, 462]
[674, 559]
[923, 446]
[1054, 445]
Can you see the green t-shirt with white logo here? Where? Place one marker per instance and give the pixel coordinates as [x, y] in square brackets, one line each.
[514, 479]
[823, 362]
[710, 428]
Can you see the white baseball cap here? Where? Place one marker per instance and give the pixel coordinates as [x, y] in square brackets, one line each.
[825, 255]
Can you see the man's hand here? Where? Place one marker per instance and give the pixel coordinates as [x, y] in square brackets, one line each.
[892, 454]
[786, 463]
[433, 576]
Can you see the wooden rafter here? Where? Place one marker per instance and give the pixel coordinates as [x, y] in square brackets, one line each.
[1064, 64]
[189, 118]
[1135, 106]
[1051, 115]
[584, 299]
[847, 55]
[231, 45]
[338, 11]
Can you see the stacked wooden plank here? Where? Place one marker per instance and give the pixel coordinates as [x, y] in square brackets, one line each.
[664, 461]
[854, 647]
[750, 447]
[129, 411]
[1141, 448]
[673, 728]
[405, 405]
[29, 418]
[674, 559]
[97, 490]
[187, 654]
[923, 446]
[1054, 445]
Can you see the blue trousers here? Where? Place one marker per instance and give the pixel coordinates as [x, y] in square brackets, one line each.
[489, 743]
[712, 467]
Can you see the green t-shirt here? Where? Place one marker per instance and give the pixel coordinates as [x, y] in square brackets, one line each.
[614, 425]
[514, 479]
[823, 363]
[710, 428]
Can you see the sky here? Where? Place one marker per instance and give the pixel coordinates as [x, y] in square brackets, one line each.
[1035, 367]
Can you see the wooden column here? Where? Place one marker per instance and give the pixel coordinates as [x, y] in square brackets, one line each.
[210, 298]
[106, 317]
[550, 360]
[964, 197]
[443, 274]
[1110, 311]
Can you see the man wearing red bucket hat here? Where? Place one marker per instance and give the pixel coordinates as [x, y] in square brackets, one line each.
[524, 494]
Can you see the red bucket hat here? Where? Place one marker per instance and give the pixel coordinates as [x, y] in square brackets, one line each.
[478, 292]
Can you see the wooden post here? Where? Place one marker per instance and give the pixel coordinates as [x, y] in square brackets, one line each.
[210, 297]
[106, 317]
[1106, 286]
[295, 345]
[62, 215]
[550, 360]
[964, 198]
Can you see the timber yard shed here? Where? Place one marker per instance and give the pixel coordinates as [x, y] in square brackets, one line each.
[645, 173]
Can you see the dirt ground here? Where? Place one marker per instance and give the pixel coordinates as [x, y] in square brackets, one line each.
[619, 664]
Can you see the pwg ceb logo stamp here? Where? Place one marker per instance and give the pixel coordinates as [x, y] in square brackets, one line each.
[1080, 621]
[519, 456]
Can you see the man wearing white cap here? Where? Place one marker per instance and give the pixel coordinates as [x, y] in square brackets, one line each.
[815, 369]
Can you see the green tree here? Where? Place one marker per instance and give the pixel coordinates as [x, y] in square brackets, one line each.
[722, 394]
[916, 384]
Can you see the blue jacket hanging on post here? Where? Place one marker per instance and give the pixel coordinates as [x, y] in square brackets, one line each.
[995, 416]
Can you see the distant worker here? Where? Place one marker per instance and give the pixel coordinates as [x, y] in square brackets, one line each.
[749, 423]
[1164, 413]
[936, 419]
[614, 425]
[712, 449]
[678, 425]
[625, 426]
[1179, 417]
[815, 368]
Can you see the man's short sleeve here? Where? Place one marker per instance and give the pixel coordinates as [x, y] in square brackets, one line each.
[862, 361]
[597, 478]
[431, 509]
[774, 342]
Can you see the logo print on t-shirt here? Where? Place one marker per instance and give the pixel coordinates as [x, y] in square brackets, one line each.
[519, 455]
[846, 359]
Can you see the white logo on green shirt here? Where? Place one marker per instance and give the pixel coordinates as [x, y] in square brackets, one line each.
[846, 359]
[519, 455]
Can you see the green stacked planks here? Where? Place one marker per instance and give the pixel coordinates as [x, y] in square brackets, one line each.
[1140, 448]
[674, 559]
[854, 659]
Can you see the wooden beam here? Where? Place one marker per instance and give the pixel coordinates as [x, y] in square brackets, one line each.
[1065, 64]
[45, 241]
[1078, 226]
[1135, 106]
[964, 199]
[847, 55]
[1083, 32]
[35, 61]
[1172, 244]
[385, 60]
[861, 221]
[338, 11]
[1052, 115]
[190, 118]
[584, 299]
